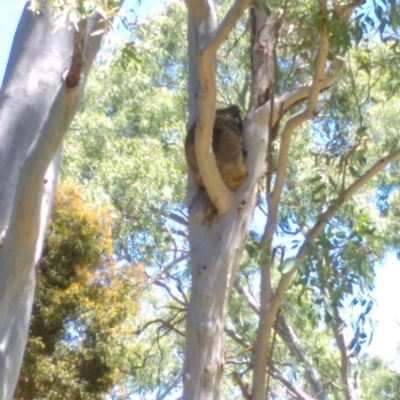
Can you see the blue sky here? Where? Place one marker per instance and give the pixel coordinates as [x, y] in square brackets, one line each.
[10, 12]
[387, 294]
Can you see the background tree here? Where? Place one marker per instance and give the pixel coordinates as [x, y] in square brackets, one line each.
[85, 306]
[382, 382]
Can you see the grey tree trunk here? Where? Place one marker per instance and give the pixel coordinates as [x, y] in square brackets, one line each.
[216, 248]
[38, 101]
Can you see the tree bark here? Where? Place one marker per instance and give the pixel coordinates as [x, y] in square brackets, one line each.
[36, 109]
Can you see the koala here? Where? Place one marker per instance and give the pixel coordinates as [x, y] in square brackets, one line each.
[227, 143]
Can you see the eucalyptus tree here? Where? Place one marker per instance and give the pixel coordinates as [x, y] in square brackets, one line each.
[45, 76]
[108, 142]
[321, 33]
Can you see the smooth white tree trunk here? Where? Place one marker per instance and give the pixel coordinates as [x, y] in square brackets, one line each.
[36, 109]
[215, 253]
[216, 248]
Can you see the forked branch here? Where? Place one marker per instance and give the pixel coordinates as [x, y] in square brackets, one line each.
[295, 96]
[218, 192]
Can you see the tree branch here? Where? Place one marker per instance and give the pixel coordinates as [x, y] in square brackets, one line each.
[171, 386]
[218, 192]
[337, 328]
[271, 304]
[168, 324]
[285, 102]
[226, 25]
[325, 218]
[251, 301]
[344, 12]
[292, 342]
[317, 85]
[167, 268]
[346, 195]
[235, 337]
[164, 285]
[300, 395]
[244, 388]
[177, 218]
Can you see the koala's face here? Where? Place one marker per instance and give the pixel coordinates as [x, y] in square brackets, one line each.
[233, 113]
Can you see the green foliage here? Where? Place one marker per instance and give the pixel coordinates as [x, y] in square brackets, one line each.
[85, 303]
[77, 10]
[379, 381]
[126, 144]
[126, 149]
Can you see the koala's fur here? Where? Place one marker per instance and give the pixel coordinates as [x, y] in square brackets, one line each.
[227, 143]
